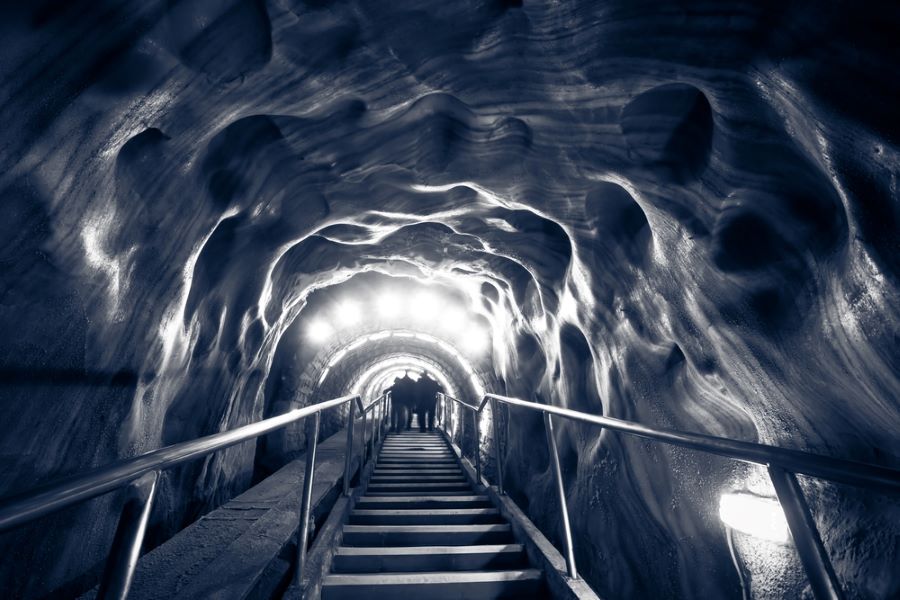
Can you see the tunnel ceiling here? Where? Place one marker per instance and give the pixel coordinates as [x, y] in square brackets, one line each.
[679, 213]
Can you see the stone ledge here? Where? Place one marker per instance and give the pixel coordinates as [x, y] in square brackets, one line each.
[246, 543]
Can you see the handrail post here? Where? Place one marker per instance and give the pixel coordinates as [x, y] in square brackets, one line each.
[496, 427]
[376, 417]
[348, 453]
[129, 537]
[312, 442]
[381, 419]
[476, 416]
[561, 494]
[819, 570]
[365, 439]
[452, 417]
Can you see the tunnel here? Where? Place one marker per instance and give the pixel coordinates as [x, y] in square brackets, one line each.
[648, 253]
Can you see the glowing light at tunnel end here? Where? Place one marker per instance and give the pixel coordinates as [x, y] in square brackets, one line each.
[319, 331]
[348, 313]
[413, 362]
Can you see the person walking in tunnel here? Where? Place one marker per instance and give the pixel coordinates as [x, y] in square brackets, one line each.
[426, 400]
[402, 401]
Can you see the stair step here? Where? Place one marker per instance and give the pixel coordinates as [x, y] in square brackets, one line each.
[429, 558]
[418, 492]
[415, 462]
[423, 502]
[426, 535]
[411, 447]
[425, 516]
[421, 489]
[416, 454]
[413, 486]
[442, 585]
[416, 444]
[391, 470]
[452, 477]
[416, 459]
[382, 465]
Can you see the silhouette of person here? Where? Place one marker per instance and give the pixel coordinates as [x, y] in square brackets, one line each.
[426, 400]
[402, 401]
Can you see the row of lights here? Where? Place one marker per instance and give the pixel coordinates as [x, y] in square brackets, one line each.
[422, 309]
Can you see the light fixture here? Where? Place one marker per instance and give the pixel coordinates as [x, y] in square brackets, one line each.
[425, 306]
[319, 331]
[453, 319]
[348, 313]
[388, 304]
[758, 516]
[474, 340]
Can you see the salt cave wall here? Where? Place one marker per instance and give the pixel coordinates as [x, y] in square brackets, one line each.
[679, 213]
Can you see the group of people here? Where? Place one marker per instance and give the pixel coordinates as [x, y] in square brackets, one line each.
[410, 396]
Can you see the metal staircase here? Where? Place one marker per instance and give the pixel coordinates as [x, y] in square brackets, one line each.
[422, 531]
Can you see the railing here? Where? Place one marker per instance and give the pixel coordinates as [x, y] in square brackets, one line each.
[141, 475]
[783, 465]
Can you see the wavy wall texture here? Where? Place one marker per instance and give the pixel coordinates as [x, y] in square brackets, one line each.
[679, 213]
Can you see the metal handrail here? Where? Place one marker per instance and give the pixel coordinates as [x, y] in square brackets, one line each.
[783, 464]
[141, 474]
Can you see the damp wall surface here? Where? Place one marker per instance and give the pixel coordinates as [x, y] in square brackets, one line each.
[684, 214]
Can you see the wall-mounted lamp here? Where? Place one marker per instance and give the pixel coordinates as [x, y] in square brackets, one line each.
[758, 516]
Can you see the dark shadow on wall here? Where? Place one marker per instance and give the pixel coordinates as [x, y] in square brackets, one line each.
[18, 376]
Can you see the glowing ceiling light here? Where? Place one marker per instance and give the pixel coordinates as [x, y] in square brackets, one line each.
[425, 306]
[453, 319]
[389, 304]
[474, 340]
[319, 331]
[755, 515]
[348, 313]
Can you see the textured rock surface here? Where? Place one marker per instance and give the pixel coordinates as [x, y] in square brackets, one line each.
[682, 213]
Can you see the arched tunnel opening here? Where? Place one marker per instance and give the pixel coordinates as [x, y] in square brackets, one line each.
[665, 233]
[356, 337]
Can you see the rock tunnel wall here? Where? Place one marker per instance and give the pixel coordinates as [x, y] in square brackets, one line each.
[679, 213]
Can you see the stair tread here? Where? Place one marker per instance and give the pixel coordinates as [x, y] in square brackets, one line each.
[416, 461]
[424, 550]
[426, 528]
[432, 577]
[404, 493]
[427, 445]
[439, 470]
[393, 467]
[422, 485]
[414, 478]
[411, 499]
[425, 511]
[416, 451]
